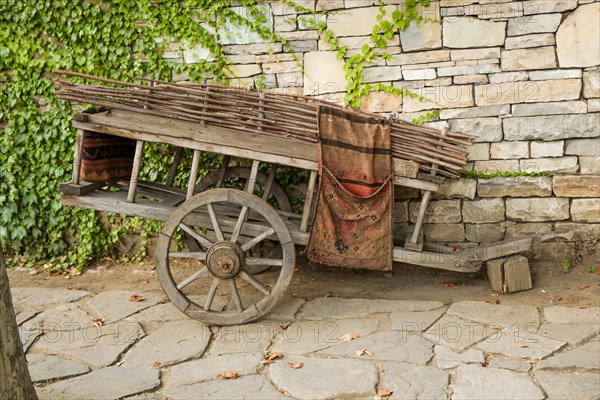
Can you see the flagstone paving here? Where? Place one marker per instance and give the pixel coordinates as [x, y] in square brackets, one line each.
[85, 346]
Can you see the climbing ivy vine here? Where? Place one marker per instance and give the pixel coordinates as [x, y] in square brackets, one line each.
[383, 31]
[119, 39]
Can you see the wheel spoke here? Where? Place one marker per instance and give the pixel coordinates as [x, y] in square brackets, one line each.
[248, 245]
[236, 295]
[239, 223]
[201, 239]
[215, 222]
[264, 261]
[193, 255]
[211, 294]
[255, 282]
[196, 275]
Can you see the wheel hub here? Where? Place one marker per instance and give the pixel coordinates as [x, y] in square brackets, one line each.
[224, 259]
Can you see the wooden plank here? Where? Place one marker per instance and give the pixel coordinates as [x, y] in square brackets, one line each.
[103, 200]
[451, 262]
[205, 133]
[150, 128]
[195, 145]
[416, 183]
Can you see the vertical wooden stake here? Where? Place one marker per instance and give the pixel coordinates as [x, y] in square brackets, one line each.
[270, 181]
[174, 166]
[252, 178]
[312, 180]
[193, 173]
[135, 171]
[77, 156]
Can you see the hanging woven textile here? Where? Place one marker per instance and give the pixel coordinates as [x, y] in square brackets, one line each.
[352, 227]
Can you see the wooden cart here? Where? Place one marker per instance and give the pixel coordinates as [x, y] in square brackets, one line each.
[224, 225]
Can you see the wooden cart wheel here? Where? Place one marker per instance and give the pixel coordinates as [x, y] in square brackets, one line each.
[223, 263]
[278, 195]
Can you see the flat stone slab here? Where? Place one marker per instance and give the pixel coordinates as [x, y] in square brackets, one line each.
[571, 315]
[324, 378]
[174, 342]
[573, 334]
[28, 337]
[44, 367]
[387, 346]
[41, 297]
[410, 382]
[335, 308]
[568, 386]
[521, 317]
[207, 369]
[114, 305]
[457, 333]
[66, 317]
[584, 357]
[97, 346]
[102, 384]
[448, 358]
[285, 310]
[246, 387]
[517, 365]
[247, 338]
[414, 321]
[309, 336]
[23, 316]
[477, 382]
[159, 313]
[520, 344]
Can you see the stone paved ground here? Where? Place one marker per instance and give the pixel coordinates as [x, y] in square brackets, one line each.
[414, 349]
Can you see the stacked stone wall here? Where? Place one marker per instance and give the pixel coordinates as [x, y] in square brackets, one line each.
[521, 75]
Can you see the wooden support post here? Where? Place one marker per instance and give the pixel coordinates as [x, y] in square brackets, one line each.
[77, 156]
[252, 179]
[174, 166]
[193, 173]
[308, 201]
[223, 171]
[135, 171]
[270, 181]
[415, 241]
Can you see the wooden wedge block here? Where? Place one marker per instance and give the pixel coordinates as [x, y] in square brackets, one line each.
[517, 276]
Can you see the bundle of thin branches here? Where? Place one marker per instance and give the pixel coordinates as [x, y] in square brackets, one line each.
[271, 114]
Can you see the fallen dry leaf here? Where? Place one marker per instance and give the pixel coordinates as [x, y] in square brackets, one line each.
[449, 284]
[98, 322]
[384, 393]
[348, 337]
[364, 352]
[228, 375]
[295, 365]
[583, 287]
[271, 357]
[491, 301]
[285, 325]
[156, 363]
[136, 298]
[533, 362]
[456, 250]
